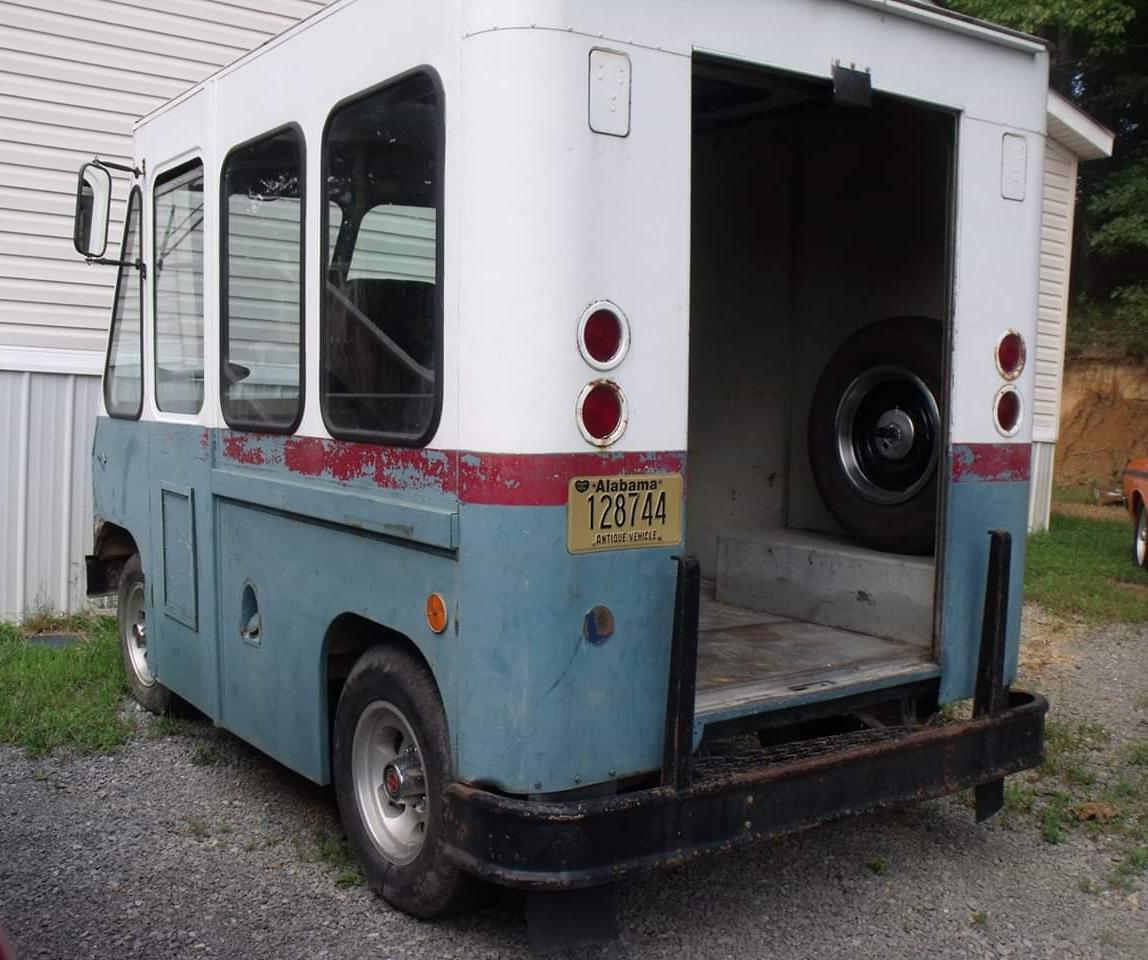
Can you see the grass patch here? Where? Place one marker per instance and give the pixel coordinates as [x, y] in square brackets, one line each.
[980, 918]
[205, 756]
[1075, 493]
[330, 846]
[170, 725]
[1081, 567]
[879, 866]
[1136, 754]
[62, 697]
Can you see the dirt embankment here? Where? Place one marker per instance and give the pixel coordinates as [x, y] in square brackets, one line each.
[1103, 421]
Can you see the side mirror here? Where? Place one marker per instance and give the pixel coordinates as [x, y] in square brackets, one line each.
[93, 209]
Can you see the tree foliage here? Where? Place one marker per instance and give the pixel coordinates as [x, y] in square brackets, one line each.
[1099, 52]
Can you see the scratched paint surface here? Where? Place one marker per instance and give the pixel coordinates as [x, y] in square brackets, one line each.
[991, 462]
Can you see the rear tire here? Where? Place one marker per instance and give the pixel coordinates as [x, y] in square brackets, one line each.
[1140, 538]
[132, 618]
[875, 434]
[390, 714]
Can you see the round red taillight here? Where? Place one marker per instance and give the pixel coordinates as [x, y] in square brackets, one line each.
[1008, 411]
[601, 412]
[603, 335]
[1010, 355]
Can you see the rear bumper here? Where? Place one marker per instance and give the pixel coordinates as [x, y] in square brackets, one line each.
[734, 800]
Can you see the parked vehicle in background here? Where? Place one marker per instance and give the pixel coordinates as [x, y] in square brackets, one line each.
[1134, 483]
[406, 373]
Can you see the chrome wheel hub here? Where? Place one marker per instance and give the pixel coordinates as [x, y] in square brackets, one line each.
[887, 429]
[390, 784]
[135, 634]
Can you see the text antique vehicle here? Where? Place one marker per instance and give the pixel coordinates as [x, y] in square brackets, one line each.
[589, 434]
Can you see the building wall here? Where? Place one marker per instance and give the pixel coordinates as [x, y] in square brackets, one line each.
[74, 75]
[1052, 319]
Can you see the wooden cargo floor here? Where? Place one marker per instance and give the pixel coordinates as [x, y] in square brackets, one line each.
[748, 656]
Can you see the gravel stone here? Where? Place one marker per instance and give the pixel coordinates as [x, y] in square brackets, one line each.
[195, 846]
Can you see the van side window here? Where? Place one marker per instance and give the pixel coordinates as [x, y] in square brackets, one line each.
[123, 373]
[261, 282]
[178, 227]
[382, 303]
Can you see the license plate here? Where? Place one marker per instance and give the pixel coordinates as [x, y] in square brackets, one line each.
[623, 512]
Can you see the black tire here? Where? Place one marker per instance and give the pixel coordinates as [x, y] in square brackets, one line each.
[886, 377]
[429, 885]
[1140, 538]
[149, 693]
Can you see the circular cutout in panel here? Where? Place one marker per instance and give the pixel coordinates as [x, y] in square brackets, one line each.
[601, 412]
[1010, 354]
[1008, 411]
[603, 335]
[250, 619]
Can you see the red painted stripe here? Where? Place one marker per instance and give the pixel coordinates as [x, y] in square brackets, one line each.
[991, 462]
[507, 479]
[542, 479]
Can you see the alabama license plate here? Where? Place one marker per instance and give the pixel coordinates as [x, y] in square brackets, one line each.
[616, 513]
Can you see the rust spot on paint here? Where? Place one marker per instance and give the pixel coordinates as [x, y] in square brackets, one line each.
[243, 448]
[991, 462]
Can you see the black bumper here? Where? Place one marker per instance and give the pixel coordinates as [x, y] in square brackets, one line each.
[735, 799]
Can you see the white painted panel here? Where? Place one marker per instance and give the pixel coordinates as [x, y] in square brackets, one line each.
[1052, 302]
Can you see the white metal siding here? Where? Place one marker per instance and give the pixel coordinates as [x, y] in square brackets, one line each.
[1055, 261]
[1040, 493]
[45, 489]
[73, 78]
[74, 75]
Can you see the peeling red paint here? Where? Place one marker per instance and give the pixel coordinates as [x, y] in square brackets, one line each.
[240, 448]
[991, 462]
[505, 479]
[542, 479]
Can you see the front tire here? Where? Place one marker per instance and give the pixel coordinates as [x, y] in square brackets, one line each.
[391, 760]
[131, 612]
[1140, 538]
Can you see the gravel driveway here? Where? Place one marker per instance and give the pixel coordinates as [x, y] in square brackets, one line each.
[196, 846]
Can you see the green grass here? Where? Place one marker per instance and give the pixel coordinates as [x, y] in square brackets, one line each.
[330, 846]
[878, 866]
[66, 697]
[1083, 568]
[1079, 493]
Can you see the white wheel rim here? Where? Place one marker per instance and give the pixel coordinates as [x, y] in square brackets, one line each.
[1141, 536]
[397, 827]
[135, 634]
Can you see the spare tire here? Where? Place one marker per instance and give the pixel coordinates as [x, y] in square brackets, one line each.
[875, 433]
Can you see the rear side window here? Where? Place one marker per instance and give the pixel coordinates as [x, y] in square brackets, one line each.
[381, 347]
[179, 289]
[261, 283]
[123, 373]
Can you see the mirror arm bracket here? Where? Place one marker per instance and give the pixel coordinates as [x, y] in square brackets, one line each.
[112, 165]
[111, 262]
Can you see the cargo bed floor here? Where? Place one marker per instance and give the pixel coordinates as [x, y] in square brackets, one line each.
[745, 656]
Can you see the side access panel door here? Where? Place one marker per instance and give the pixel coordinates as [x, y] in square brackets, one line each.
[181, 630]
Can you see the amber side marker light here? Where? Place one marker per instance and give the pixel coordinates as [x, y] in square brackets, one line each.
[436, 612]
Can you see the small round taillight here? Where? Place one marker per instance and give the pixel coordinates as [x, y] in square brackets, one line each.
[1007, 410]
[1010, 355]
[603, 335]
[601, 412]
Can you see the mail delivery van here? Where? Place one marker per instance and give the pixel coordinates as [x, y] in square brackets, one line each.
[589, 434]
